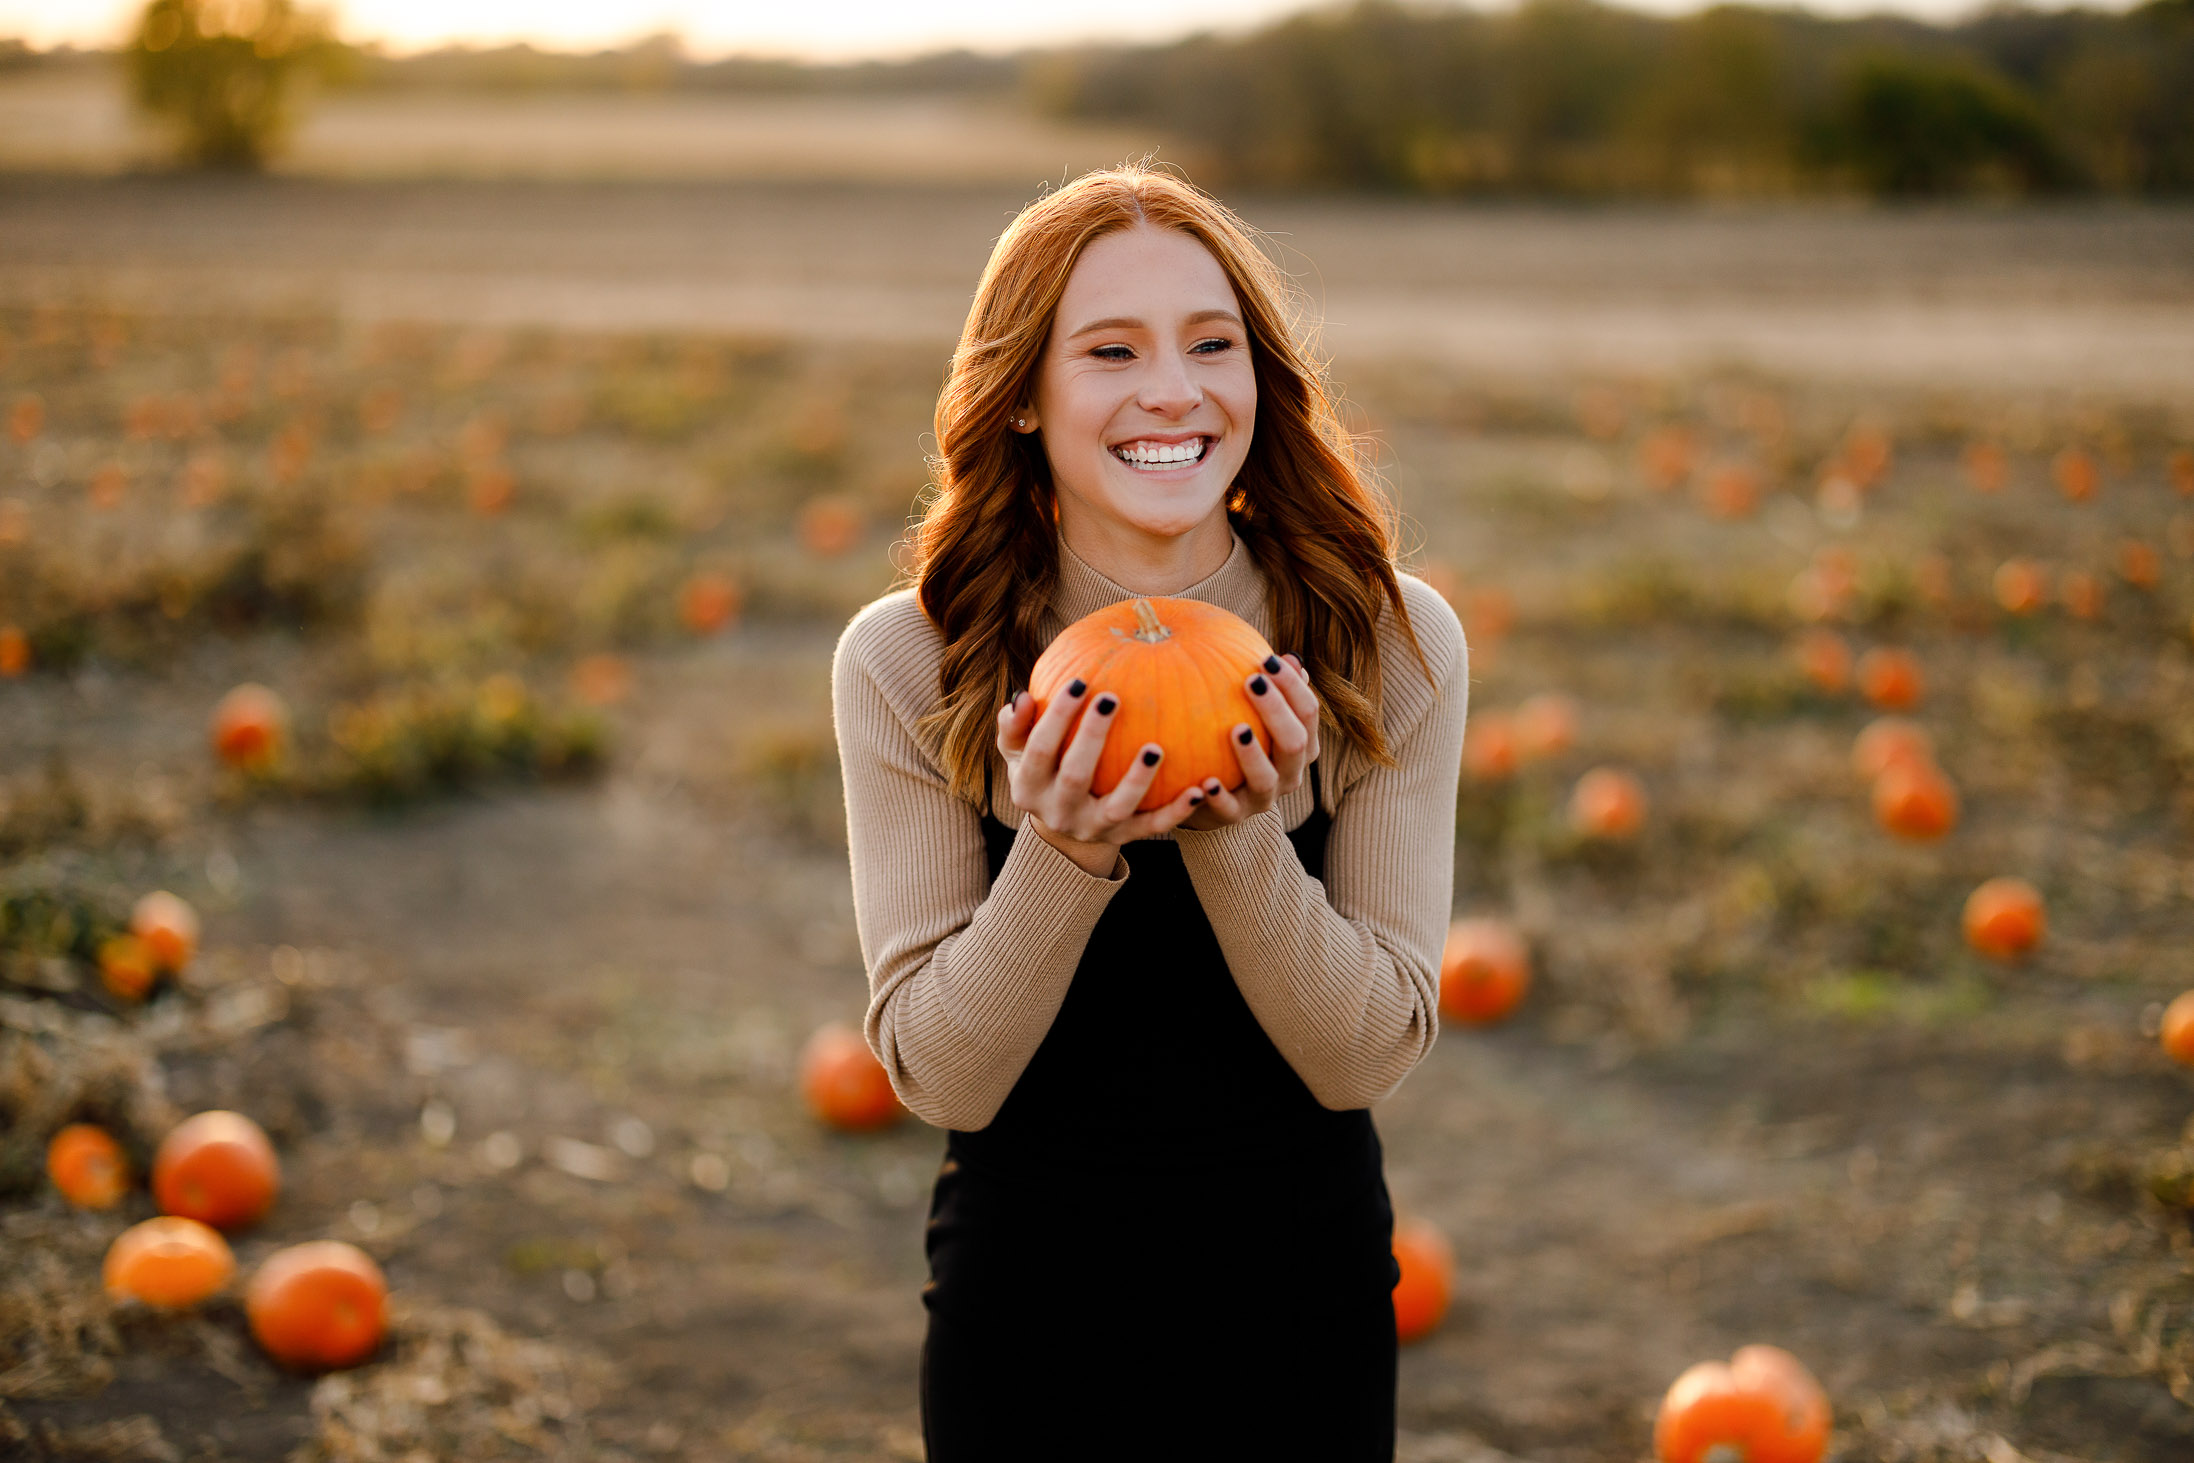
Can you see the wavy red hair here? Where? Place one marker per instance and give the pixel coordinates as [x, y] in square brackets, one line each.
[986, 556]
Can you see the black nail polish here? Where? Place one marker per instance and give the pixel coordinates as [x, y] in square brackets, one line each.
[1150, 759]
[1213, 785]
[1259, 686]
[1195, 798]
[1077, 686]
[1245, 736]
[1272, 665]
[1105, 704]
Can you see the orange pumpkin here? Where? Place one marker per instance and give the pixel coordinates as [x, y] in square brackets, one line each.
[216, 1167]
[171, 1262]
[250, 726]
[127, 967]
[1732, 491]
[168, 926]
[1760, 1406]
[1886, 741]
[829, 526]
[1546, 726]
[1891, 679]
[2004, 918]
[1178, 667]
[1914, 800]
[1825, 660]
[844, 1084]
[601, 679]
[1489, 746]
[2075, 473]
[14, 651]
[318, 1305]
[1866, 454]
[2139, 563]
[2178, 1029]
[708, 603]
[27, 418]
[1985, 467]
[2022, 586]
[1666, 456]
[1427, 1283]
[1484, 971]
[1607, 803]
[87, 1166]
[1489, 613]
[2082, 594]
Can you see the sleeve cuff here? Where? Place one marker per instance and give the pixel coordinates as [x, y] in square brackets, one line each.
[1238, 845]
[1035, 858]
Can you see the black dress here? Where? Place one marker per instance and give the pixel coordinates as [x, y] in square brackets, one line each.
[1162, 1246]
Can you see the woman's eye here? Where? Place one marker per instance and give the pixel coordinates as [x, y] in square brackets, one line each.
[1113, 353]
[1212, 346]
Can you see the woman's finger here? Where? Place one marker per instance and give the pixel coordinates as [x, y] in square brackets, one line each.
[1015, 719]
[1222, 806]
[1119, 805]
[1079, 765]
[1040, 753]
[1290, 738]
[1186, 804]
[1260, 774]
[1295, 686]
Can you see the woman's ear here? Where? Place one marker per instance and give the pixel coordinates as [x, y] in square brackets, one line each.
[1024, 419]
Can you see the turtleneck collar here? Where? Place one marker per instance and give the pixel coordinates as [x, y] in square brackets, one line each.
[1237, 585]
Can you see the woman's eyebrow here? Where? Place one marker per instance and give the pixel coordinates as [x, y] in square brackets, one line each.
[1128, 322]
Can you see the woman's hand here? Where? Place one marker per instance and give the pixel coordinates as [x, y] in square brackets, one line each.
[1052, 786]
[1289, 710]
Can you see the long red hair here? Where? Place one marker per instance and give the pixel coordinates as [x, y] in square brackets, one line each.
[986, 557]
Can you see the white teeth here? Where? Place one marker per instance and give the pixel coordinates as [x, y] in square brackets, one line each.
[1160, 454]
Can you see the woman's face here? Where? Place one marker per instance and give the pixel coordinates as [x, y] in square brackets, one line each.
[1145, 395]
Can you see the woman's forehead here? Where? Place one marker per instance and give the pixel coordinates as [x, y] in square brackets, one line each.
[1155, 276]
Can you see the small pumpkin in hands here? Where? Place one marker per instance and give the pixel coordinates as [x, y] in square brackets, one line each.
[1760, 1406]
[1178, 667]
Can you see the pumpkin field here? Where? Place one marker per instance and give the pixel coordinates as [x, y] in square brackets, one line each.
[415, 742]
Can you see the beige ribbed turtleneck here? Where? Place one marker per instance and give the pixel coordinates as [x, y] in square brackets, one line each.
[965, 975]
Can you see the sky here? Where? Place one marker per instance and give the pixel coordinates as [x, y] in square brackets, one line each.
[815, 29]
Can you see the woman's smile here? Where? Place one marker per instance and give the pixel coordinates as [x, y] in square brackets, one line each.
[1156, 455]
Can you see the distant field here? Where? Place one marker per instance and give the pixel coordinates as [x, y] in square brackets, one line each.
[2028, 300]
[83, 124]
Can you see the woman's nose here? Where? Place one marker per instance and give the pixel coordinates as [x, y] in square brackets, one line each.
[1168, 390]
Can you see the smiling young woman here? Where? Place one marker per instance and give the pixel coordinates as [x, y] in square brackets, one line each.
[1162, 1226]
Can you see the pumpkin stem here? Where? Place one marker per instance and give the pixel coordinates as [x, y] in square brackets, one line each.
[1148, 627]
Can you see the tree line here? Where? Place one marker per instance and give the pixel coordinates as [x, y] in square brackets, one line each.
[1570, 97]
[1552, 97]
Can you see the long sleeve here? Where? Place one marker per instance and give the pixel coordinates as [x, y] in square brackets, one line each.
[1344, 975]
[965, 975]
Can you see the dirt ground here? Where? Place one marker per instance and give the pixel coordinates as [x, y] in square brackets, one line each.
[530, 1042]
